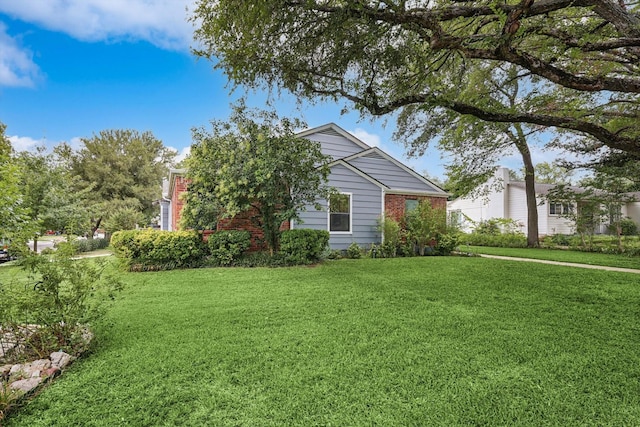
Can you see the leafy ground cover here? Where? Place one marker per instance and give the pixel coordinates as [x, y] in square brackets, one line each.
[579, 257]
[408, 341]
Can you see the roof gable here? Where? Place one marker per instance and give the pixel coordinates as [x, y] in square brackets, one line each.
[391, 172]
[359, 172]
[334, 141]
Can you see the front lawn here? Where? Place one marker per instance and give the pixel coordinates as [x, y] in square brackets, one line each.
[563, 255]
[412, 341]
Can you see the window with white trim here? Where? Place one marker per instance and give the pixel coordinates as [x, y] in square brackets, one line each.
[340, 213]
[556, 208]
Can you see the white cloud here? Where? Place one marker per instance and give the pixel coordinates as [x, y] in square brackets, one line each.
[182, 154]
[25, 143]
[366, 137]
[160, 22]
[76, 143]
[16, 65]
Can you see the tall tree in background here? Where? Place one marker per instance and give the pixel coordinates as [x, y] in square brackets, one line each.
[552, 173]
[13, 213]
[37, 181]
[254, 161]
[122, 168]
[386, 55]
[477, 147]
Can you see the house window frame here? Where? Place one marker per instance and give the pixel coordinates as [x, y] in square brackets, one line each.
[350, 231]
[564, 208]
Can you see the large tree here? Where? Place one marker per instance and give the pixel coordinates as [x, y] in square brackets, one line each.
[255, 162]
[476, 147]
[13, 213]
[385, 55]
[123, 169]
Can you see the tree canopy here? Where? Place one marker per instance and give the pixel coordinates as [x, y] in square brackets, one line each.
[580, 58]
[13, 213]
[121, 168]
[254, 161]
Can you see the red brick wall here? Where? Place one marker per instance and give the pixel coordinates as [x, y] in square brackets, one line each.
[244, 222]
[394, 204]
[180, 186]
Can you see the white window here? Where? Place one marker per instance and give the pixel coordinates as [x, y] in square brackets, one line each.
[340, 213]
[560, 208]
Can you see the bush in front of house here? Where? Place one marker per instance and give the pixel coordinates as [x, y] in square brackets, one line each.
[303, 245]
[447, 242]
[159, 250]
[354, 251]
[227, 246]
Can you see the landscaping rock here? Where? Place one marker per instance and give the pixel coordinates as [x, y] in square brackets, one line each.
[52, 372]
[60, 359]
[4, 370]
[26, 385]
[18, 367]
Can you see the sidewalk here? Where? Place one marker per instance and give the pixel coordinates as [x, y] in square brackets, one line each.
[566, 264]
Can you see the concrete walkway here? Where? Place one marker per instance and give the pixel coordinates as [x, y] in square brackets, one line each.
[566, 264]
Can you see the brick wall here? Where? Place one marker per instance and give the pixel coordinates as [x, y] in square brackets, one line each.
[242, 221]
[395, 203]
[180, 186]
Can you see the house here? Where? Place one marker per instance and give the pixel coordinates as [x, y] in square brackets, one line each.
[370, 183]
[502, 197]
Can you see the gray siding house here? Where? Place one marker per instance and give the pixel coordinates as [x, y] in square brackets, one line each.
[370, 182]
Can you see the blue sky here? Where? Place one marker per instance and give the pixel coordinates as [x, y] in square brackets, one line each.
[71, 68]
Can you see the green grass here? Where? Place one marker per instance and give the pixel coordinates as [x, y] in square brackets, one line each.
[391, 342]
[592, 258]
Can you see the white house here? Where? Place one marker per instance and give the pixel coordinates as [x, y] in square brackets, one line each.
[500, 197]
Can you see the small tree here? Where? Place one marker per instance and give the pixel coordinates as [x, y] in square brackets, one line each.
[125, 218]
[425, 223]
[392, 233]
[255, 161]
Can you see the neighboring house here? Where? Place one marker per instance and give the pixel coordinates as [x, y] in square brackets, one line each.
[370, 183]
[502, 198]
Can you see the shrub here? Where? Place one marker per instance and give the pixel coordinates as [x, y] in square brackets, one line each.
[227, 246]
[424, 224]
[505, 240]
[561, 239]
[496, 226]
[303, 245]
[159, 250]
[393, 235]
[446, 243]
[61, 298]
[89, 245]
[628, 227]
[261, 259]
[354, 251]
[332, 254]
[123, 219]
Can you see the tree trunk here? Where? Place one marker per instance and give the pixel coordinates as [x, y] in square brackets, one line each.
[94, 228]
[530, 189]
[35, 243]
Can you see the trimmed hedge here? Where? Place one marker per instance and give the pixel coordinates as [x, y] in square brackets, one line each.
[303, 245]
[227, 246]
[504, 240]
[159, 250]
[88, 245]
